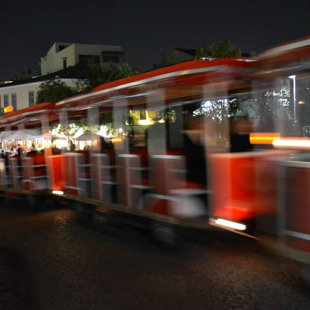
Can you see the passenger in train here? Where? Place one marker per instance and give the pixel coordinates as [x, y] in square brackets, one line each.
[56, 150]
[104, 146]
[33, 149]
[71, 146]
[19, 150]
[240, 136]
[194, 151]
[13, 151]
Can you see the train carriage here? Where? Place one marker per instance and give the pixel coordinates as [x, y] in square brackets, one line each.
[168, 124]
[22, 175]
[286, 68]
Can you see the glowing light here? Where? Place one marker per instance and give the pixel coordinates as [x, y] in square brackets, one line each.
[8, 109]
[59, 143]
[116, 140]
[79, 132]
[57, 192]
[301, 102]
[161, 121]
[230, 224]
[145, 122]
[104, 131]
[293, 142]
[7, 82]
[293, 77]
[263, 137]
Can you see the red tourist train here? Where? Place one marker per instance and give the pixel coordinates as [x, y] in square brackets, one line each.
[205, 142]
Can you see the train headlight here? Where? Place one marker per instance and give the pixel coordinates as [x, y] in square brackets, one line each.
[230, 224]
[57, 192]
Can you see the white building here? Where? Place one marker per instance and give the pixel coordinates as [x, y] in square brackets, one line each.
[64, 54]
[24, 95]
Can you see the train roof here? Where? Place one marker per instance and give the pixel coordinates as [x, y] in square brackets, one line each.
[33, 113]
[195, 72]
[184, 68]
[290, 56]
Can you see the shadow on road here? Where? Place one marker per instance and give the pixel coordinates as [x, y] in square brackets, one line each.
[16, 283]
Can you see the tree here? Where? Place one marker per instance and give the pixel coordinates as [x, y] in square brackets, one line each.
[69, 130]
[107, 72]
[222, 50]
[200, 52]
[176, 56]
[53, 91]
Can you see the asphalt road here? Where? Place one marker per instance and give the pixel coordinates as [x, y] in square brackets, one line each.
[49, 260]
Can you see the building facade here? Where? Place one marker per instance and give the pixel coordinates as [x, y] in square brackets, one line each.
[23, 95]
[64, 54]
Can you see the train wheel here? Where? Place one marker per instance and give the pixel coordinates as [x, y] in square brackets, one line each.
[164, 234]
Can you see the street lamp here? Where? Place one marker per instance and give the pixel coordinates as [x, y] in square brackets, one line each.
[293, 77]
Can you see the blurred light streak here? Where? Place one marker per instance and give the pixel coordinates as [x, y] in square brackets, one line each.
[293, 77]
[145, 122]
[116, 140]
[58, 192]
[230, 224]
[292, 142]
[264, 137]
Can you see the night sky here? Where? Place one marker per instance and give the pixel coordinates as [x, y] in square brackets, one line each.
[146, 29]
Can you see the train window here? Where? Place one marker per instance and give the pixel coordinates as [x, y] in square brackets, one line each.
[14, 101]
[31, 98]
[5, 100]
[274, 108]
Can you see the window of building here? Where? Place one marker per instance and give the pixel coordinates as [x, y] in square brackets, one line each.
[112, 56]
[14, 102]
[31, 98]
[64, 62]
[89, 59]
[5, 100]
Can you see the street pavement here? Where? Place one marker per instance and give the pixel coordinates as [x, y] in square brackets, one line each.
[50, 260]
